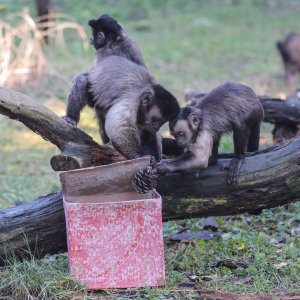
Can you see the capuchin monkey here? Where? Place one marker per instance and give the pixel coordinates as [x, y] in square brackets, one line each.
[132, 104]
[109, 39]
[198, 129]
[284, 131]
[289, 50]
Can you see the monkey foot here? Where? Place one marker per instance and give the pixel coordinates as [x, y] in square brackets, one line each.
[62, 162]
[70, 121]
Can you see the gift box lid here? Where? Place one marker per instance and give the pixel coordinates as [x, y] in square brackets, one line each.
[108, 179]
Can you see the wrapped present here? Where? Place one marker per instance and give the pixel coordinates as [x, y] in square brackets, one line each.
[114, 234]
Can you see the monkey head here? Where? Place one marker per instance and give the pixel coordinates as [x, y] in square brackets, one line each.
[104, 30]
[157, 106]
[186, 126]
[283, 132]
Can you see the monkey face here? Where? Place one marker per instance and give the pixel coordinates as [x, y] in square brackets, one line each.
[153, 119]
[157, 107]
[186, 127]
[104, 30]
[182, 133]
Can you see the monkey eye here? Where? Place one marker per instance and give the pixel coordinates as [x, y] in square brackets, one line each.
[155, 119]
[180, 133]
[101, 35]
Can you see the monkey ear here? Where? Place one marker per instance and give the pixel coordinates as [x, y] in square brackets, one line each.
[195, 118]
[92, 23]
[147, 99]
[123, 34]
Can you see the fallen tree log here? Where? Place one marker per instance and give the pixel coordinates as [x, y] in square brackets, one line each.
[268, 178]
[281, 111]
[78, 149]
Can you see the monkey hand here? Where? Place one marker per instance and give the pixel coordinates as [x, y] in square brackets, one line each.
[163, 167]
[70, 121]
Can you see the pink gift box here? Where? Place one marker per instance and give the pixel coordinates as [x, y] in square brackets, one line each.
[114, 234]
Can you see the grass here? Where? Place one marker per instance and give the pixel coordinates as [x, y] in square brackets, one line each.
[40, 279]
[254, 255]
[266, 256]
[186, 44]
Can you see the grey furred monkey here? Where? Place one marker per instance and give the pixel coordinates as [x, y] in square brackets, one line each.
[132, 104]
[198, 129]
[109, 39]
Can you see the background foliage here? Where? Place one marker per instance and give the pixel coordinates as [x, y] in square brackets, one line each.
[186, 44]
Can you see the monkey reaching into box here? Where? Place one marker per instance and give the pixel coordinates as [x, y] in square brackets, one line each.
[198, 129]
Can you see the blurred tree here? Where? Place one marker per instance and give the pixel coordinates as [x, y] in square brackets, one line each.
[44, 8]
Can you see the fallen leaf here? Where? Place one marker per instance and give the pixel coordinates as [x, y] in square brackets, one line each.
[210, 223]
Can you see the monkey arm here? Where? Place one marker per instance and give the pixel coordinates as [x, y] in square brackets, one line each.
[120, 127]
[78, 98]
[185, 162]
[159, 145]
[197, 156]
[151, 144]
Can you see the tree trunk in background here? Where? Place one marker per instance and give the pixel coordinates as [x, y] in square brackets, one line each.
[44, 7]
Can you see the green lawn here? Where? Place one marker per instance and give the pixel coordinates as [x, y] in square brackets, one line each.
[186, 44]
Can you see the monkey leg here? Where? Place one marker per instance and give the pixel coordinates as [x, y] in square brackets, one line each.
[70, 121]
[290, 73]
[101, 121]
[253, 141]
[240, 140]
[215, 153]
[151, 144]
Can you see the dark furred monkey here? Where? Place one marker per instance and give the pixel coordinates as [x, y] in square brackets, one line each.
[289, 50]
[198, 129]
[132, 104]
[108, 38]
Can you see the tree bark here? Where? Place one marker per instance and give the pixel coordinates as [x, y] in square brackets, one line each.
[268, 178]
[78, 149]
[35, 228]
[281, 111]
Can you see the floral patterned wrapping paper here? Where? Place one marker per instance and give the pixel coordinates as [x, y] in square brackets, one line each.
[116, 244]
